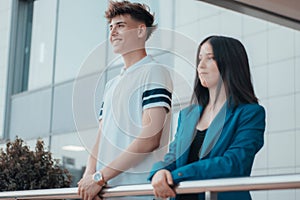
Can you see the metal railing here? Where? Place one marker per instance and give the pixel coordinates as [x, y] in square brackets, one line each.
[210, 187]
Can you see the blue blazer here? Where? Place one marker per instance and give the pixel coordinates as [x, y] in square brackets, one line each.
[228, 150]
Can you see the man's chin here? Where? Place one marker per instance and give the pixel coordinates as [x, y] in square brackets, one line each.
[116, 51]
[121, 51]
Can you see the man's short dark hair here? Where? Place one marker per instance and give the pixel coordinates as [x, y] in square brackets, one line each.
[138, 11]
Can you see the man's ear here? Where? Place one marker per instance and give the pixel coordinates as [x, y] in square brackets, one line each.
[142, 30]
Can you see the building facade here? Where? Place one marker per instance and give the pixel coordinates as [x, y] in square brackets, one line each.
[55, 60]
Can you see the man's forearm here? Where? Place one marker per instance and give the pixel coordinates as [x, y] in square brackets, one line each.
[138, 150]
[92, 159]
[147, 141]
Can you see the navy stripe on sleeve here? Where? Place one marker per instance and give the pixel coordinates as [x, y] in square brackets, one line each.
[157, 91]
[157, 95]
[101, 110]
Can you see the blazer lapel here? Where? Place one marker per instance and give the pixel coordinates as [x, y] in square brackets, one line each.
[214, 130]
[188, 130]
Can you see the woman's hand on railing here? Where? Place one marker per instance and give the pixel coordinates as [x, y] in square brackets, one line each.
[162, 183]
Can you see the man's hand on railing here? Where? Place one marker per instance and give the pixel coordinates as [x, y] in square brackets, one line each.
[162, 183]
[88, 189]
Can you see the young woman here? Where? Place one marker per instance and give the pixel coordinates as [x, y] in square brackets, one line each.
[220, 133]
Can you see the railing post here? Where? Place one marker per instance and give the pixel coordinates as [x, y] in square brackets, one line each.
[211, 195]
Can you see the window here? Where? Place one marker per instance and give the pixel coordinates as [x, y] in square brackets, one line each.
[19, 53]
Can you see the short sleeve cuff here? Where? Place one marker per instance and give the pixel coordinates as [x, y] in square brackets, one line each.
[157, 97]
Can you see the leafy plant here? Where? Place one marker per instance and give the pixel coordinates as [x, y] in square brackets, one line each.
[22, 169]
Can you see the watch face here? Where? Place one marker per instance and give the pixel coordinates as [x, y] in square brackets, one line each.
[97, 177]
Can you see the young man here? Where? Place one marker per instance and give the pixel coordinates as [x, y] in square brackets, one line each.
[135, 115]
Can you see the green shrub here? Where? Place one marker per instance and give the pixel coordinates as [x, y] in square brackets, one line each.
[22, 169]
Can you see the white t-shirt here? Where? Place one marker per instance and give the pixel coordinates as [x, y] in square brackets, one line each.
[145, 84]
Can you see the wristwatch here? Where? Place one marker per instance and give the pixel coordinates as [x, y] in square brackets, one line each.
[99, 179]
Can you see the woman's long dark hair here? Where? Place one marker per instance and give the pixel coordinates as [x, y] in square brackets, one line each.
[232, 61]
